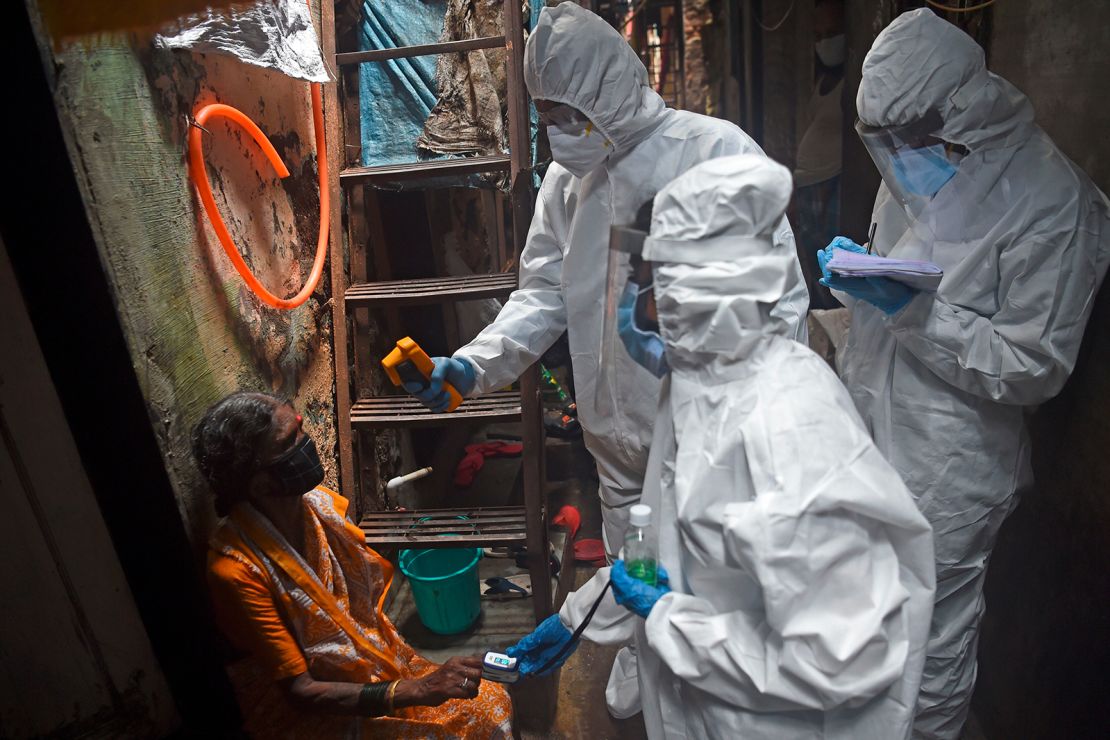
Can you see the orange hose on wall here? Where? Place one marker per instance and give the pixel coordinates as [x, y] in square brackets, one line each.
[199, 174]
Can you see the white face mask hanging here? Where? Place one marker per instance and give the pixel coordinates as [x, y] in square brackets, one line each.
[832, 51]
[581, 148]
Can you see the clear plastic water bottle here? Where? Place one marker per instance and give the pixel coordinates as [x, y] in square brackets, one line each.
[640, 546]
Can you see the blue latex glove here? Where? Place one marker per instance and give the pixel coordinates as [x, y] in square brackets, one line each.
[634, 594]
[889, 296]
[458, 373]
[826, 254]
[542, 644]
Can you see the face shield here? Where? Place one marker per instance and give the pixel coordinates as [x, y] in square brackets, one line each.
[562, 116]
[630, 340]
[913, 162]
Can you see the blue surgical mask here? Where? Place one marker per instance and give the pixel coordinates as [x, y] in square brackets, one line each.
[645, 347]
[923, 171]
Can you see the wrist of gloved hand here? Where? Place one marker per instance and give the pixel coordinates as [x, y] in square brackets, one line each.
[896, 298]
[635, 595]
[824, 256]
[541, 646]
[459, 373]
[889, 296]
[843, 242]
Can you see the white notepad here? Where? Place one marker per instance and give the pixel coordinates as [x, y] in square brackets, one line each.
[917, 274]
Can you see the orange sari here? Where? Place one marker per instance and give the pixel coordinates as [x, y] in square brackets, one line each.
[323, 614]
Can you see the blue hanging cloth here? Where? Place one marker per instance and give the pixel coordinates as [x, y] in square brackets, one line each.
[397, 96]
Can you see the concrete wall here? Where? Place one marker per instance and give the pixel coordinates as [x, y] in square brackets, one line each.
[195, 332]
[1059, 55]
[1045, 644]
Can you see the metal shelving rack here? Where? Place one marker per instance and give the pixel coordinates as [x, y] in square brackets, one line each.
[357, 411]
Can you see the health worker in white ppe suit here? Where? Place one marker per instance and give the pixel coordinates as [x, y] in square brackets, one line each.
[799, 571]
[614, 144]
[943, 379]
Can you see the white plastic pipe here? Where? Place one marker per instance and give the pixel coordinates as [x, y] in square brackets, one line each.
[395, 483]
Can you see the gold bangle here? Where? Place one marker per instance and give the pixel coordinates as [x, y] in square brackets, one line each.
[389, 696]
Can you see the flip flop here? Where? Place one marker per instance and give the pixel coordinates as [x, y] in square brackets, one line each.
[499, 587]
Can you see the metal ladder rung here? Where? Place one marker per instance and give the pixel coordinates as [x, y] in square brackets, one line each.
[453, 167]
[419, 50]
[430, 290]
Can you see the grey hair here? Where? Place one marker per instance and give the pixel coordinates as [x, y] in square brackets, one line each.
[227, 441]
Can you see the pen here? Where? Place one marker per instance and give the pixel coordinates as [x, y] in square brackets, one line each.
[871, 235]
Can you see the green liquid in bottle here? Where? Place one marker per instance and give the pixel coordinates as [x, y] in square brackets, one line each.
[640, 554]
[642, 570]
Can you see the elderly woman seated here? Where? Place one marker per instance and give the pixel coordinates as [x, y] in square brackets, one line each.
[296, 588]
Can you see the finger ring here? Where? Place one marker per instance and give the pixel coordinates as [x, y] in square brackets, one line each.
[466, 681]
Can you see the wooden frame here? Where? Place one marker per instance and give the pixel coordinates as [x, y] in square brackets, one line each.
[363, 229]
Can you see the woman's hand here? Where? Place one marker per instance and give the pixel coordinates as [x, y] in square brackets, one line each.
[458, 678]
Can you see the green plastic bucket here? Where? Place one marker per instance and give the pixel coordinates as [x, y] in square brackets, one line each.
[445, 587]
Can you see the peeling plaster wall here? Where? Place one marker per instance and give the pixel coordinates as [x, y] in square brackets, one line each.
[195, 332]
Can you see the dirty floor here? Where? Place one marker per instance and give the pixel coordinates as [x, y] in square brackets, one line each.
[578, 690]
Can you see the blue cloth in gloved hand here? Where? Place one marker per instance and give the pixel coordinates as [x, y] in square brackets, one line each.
[538, 647]
[826, 254]
[458, 373]
[635, 595]
[889, 296]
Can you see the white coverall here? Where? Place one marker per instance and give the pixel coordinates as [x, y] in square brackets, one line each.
[804, 613]
[1023, 237]
[576, 58]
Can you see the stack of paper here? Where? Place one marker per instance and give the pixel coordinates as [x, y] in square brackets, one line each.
[917, 274]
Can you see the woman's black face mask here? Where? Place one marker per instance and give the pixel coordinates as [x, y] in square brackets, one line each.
[298, 470]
